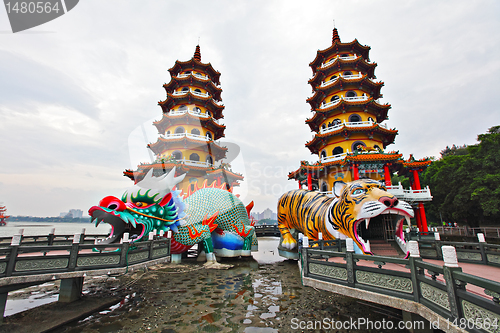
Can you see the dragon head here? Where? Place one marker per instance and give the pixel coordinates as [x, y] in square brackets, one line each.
[147, 206]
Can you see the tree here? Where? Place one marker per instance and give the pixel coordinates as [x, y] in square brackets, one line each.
[466, 187]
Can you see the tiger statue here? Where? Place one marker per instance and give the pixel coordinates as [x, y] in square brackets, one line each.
[341, 216]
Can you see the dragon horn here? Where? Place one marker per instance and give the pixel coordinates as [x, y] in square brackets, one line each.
[168, 181]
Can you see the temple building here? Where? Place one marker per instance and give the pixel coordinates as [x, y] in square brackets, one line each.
[189, 129]
[350, 137]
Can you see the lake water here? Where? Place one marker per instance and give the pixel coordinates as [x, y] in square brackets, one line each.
[42, 228]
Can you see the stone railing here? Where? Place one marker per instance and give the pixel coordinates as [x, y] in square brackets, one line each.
[333, 158]
[188, 135]
[350, 124]
[184, 92]
[348, 77]
[326, 64]
[410, 195]
[349, 99]
[462, 300]
[191, 112]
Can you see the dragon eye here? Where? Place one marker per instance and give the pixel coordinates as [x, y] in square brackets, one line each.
[140, 204]
[357, 192]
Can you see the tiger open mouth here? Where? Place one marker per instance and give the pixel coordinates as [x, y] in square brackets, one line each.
[399, 211]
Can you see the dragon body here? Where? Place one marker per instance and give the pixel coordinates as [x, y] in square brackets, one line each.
[210, 216]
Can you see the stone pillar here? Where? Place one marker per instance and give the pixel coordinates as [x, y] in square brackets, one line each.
[413, 249]
[480, 237]
[71, 289]
[449, 256]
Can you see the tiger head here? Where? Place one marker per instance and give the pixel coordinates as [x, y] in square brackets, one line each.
[357, 203]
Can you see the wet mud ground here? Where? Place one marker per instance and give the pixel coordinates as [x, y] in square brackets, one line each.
[251, 296]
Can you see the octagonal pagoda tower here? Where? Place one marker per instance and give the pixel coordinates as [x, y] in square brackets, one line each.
[350, 136]
[190, 127]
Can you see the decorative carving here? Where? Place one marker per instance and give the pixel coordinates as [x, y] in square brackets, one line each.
[493, 258]
[98, 260]
[138, 256]
[3, 266]
[161, 252]
[469, 256]
[495, 295]
[43, 264]
[435, 295]
[397, 283]
[329, 271]
[477, 314]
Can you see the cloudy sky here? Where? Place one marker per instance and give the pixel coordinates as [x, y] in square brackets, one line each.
[75, 90]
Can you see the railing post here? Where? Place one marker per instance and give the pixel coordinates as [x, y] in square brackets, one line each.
[482, 242]
[73, 254]
[320, 238]
[437, 245]
[50, 239]
[450, 266]
[349, 260]
[414, 270]
[151, 247]
[14, 246]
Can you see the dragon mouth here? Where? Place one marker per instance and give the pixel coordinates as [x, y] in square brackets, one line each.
[120, 222]
[397, 218]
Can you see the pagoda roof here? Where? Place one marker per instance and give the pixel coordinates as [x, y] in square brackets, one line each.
[208, 123]
[190, 98]
[378, 110]
[359, 64]
[196, 81]
[411, 163]
[343, 104]
[210, 147]
[393, 156]
[320, 139]
[194, 64]
[341, 84]
[337, 47]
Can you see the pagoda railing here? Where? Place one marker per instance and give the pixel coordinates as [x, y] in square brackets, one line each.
[348, 77]
[368, 123]
[188, 135]
[203, 77]
[350, 99]
[333, 158]
[194, 113]
[326, 64]
[410, 195]
[184, 92]
[196, 163]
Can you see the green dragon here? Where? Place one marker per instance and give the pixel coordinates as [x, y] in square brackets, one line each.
[211, 216]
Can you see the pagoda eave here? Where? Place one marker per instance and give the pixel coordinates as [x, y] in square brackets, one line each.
[188, 118]
[193, 64]
[337, 47]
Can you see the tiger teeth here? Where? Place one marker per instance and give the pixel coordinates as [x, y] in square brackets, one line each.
[367, 221]
[408, 220]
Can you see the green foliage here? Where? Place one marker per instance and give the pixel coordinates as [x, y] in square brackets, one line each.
[405, 181]
[466, 187]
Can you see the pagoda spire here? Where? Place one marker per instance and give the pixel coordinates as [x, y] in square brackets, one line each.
[197, 53]
[335, 36]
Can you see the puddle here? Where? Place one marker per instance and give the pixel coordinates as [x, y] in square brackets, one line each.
[14, 306]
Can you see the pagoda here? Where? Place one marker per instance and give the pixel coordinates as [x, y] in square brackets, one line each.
[189, 129]
[3, 215]
[350, 137]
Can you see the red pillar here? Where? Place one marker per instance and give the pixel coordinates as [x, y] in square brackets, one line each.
[387, 175]
[423, 219]
[309, 181]
[416, 180]
[355, 173]
[418, 219]
[298, 181]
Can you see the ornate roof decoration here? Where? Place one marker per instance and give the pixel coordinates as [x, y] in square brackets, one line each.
[197, 54]
[335, 36]
[194, 80]
[189, 98]
[359, 64]
[412, 163]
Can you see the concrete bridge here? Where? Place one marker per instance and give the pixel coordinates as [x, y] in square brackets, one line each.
[33, 260]
[459, 294]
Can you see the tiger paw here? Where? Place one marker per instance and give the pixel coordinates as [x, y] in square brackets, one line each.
[288, 242]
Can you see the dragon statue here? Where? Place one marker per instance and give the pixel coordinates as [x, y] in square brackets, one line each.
[347, 215]
[210, 216]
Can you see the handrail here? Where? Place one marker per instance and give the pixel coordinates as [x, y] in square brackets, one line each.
[181, 112]
[337, 57]
[348, 77]
[189, 135]
[184, 92]
[349, 99]
[367, 123]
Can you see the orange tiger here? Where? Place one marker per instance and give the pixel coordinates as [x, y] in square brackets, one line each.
[311, 212]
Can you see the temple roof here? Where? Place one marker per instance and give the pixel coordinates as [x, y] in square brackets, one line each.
[344, 104]
[337, 47]
[182, 143]
[195, 81]
[319, 140]
[190, 98]
[195, 64]
[188, 118]
[378, 110]
[358, 64]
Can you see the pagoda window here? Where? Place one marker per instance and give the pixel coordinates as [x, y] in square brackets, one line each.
[376, 147]
[336, 122]
[351, 94]
[324, 187]
[196, 109]
[183, 108]
[347, 73]
[168, 133]
[209, 136]
[177, 155]
[195, 131]
[333, 77]
[356, 144]
[346, 55]
[323, 127]
[179, 130]
[208, 113]
[194, 157]
[198, 90]
[185, 89]
[354, 118]
[210, 160]
[188, 72]
[371, 119]
[334, 98]
[323, 154]
[337, 150]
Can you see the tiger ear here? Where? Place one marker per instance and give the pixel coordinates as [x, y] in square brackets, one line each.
[338, 186]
